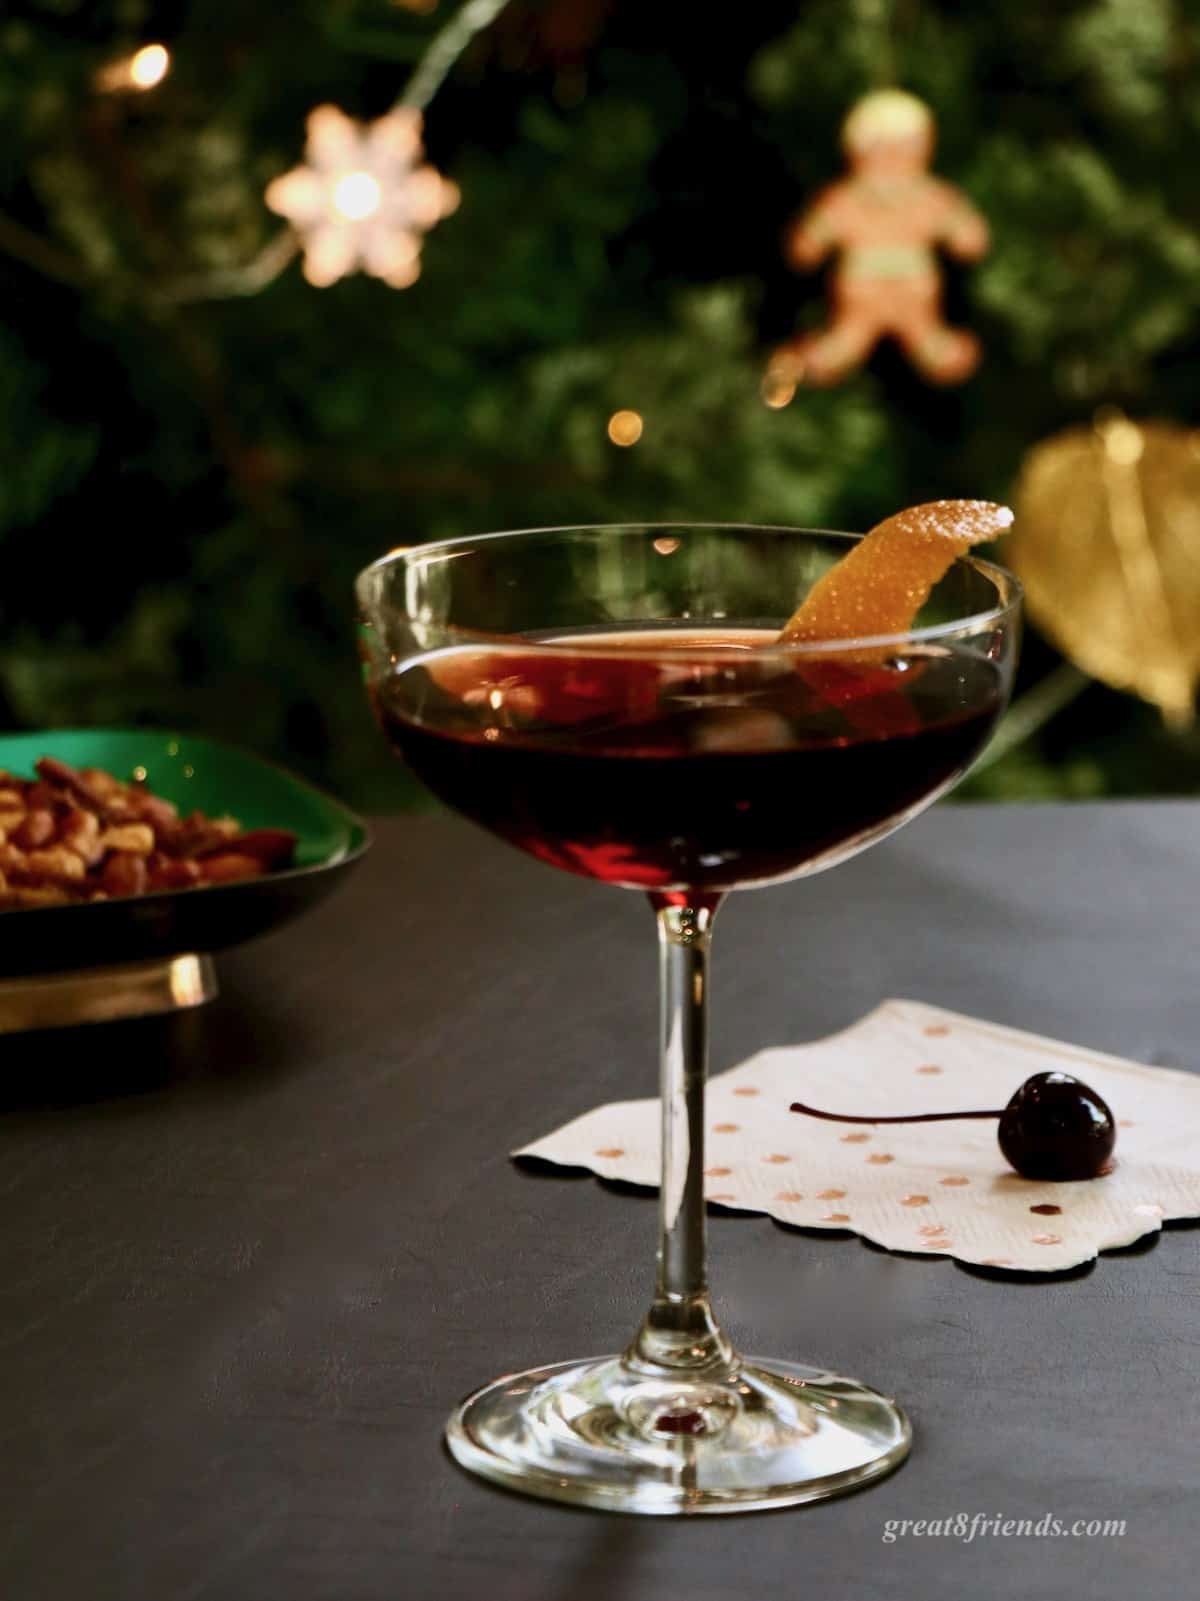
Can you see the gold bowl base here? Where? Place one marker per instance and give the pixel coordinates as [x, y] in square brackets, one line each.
[104, 994]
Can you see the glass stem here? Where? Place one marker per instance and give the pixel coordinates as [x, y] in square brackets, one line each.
[679, 1334]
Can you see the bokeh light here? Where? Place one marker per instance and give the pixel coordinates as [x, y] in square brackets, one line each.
[625, 427]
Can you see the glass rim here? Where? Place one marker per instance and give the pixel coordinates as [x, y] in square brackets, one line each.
[1008, 586]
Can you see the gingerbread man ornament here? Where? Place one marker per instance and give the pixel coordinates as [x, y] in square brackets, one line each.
[886, 220]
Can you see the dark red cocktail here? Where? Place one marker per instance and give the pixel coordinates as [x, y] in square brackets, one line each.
[686, 711]
[731, 768]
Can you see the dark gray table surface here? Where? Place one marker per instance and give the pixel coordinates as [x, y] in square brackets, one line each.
[249, 1256]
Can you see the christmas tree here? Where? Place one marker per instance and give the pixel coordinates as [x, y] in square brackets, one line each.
[200, 448]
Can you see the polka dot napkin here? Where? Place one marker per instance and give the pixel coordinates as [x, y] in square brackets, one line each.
[936, 1188]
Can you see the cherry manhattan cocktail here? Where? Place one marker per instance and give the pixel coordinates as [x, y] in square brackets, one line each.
[650, 707]
[687, 759]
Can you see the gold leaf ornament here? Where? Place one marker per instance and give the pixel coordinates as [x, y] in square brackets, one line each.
[1107, 544]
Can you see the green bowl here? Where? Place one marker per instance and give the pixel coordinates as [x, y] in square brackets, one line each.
[196, 774]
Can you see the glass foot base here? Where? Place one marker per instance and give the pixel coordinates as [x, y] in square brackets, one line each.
[597, 1434]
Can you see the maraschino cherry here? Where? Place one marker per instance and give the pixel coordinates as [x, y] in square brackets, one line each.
[1055, 1127]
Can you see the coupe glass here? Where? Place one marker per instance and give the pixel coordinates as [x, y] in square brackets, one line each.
[613, 700]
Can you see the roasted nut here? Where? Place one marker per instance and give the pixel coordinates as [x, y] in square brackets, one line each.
[98, 791]
[79, 831]
[55, 863]
[166, 873]
[49, 895]
[196, 834]
[124, 875]
[45, 797]
[37, 829]
[97, 780]
[152, 809]
[51, 771]
[83, 835]
[269, 846]
[228, 869]
[12, 859]
[135, 837]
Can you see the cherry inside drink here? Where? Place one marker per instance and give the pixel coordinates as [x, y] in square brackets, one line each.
[687, 759]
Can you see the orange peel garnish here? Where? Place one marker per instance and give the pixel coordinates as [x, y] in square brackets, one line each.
[881, 584]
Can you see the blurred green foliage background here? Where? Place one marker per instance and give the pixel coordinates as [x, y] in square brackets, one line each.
[191, 474]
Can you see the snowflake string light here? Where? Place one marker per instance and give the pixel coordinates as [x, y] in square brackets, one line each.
[364, 198]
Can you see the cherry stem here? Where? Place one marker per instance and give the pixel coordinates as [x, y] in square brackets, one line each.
[916, 1117]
